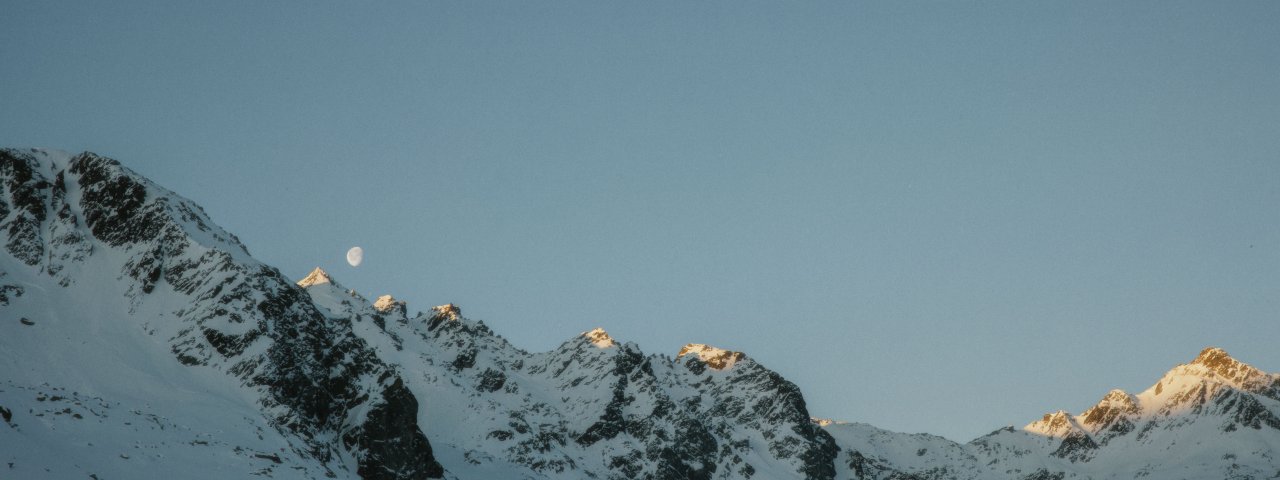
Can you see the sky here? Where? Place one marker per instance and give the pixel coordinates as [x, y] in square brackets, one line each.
[941, 217]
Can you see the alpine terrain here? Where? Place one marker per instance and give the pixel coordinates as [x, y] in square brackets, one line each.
[140, 340]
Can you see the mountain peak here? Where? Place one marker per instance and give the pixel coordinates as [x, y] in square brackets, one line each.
[387, 303]
[1212, 355]
[1113, 407]
[1118, 396]
[1055, 424]
[316, 277]
[1219, 363]
[599, 338]
[716, 358]
[447, 311]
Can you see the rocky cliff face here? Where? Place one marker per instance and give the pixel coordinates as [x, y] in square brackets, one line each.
[76, 219]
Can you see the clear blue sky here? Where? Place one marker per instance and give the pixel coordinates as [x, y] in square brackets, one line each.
[943, 217]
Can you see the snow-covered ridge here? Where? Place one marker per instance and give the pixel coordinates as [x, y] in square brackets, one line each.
[715, 358]
[1215, 417]
[1055, 424]
[591, 408]
[1217, 365]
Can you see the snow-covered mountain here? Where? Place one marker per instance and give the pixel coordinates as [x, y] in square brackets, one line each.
[141, 340]
[139, 337]
[592, 408]
[1215, 417]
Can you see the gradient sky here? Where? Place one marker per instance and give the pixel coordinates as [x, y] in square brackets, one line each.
[933, 217]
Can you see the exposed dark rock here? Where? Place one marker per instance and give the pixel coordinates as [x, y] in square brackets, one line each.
[8, 292]
[394, 452]
[500, 435]
[113, 203]
[23, 214]
[1043, 474]
[230, 345]
[464, 360]
[1076, 446]
[491, 380]
[443, 313]
[1245, 410]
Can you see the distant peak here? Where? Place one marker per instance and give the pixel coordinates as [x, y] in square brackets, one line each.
[447, 311]
[1118, 395]
[316, 277]
[387, 303]
[1213, 356]
[1114, 405]
[1052, 424]
[716, 358]
[599, 338]
[1218, 362]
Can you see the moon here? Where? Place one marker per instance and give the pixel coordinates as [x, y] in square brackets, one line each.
[355, 256]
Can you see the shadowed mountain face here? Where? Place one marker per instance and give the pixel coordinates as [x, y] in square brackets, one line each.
[141, 338]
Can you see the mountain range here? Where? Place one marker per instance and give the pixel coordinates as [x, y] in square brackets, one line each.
[140, 339]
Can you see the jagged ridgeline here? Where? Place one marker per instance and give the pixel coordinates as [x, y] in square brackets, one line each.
[1215, 417]
[142, 340]
[92, 246]
[332, 384]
